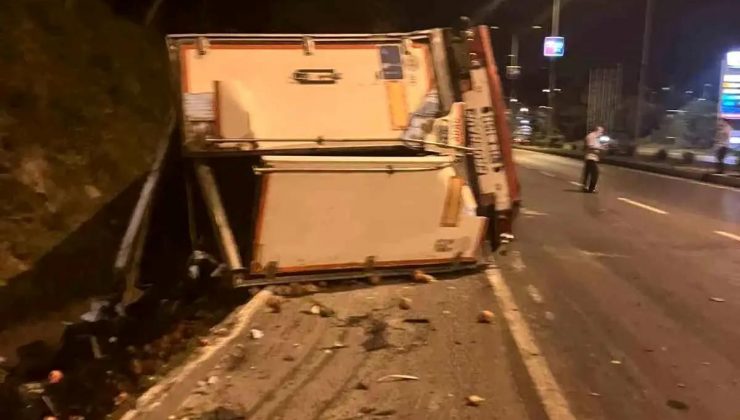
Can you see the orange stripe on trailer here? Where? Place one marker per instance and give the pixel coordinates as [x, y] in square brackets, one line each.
[397, 105]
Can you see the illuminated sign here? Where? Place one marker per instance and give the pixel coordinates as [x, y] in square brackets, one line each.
[729, 95]
[733, 59]
[554, 46]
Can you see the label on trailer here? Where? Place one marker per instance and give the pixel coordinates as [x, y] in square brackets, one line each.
[426, 114]
[482, 134]
[199, 106]
[390, 58]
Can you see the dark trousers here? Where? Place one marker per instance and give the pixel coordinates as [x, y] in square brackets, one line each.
[590, 175]
[721, 154]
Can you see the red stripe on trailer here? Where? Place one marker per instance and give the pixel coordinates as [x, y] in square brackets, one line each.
[484, 49]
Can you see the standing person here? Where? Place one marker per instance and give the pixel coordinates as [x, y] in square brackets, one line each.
[591, 163]
[722, 143]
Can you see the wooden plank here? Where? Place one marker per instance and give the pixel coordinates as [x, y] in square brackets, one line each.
[453, 202]
[222, 229]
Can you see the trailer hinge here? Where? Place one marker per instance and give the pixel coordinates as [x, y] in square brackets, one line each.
[203, 44]
[406, 46]
[370, 264]
[457, 261]
[309, 45]
[238, 280]
[270, 271]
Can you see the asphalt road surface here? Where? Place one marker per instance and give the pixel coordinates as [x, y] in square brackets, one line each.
[632, 293]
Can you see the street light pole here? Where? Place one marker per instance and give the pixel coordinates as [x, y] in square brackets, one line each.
[644, 63]
[553, 79]
[514, 61]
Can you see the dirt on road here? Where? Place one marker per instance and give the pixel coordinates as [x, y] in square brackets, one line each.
[343, 362]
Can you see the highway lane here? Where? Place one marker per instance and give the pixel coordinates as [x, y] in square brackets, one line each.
[633, 293]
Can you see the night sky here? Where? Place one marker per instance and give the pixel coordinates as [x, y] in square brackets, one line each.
[689, 38]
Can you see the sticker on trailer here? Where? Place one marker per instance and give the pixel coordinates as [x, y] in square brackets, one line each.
[199, 106]
[426, 113]
[482, 135]
[390, 59]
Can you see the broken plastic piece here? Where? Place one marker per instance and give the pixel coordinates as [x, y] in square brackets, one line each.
[397, 377]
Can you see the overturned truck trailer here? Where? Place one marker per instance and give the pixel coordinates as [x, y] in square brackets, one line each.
[336, 156]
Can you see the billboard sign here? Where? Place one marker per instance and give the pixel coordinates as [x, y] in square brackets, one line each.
[729, 95]
[554, 46]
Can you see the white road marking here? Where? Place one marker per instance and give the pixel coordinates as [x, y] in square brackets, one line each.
[535, 294]
[567, 161]
[545, 173]
[727, 235]
[553, 399]
[577, 184]
[643, 206]
[516, 261]
[602, 254]
[529, 212]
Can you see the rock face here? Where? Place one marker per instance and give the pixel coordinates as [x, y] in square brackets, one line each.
[84, 101]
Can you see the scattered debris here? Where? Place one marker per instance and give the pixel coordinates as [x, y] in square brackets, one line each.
[717, 299]
[275, 303]
[297, 289]
[616, 362]
[221, 332]
[236, 358]
[49, 404]
[398, 377]
[315, 309]
[55, 376]
[256, 334]
[281, 290]
[377, 335]
[417, 321]
[311, 288]
[421, 277]
[475, 400]
[404, 303]
[485, 317]
[95, 346]
[677, 405]
[325, 312]
[535, 294]
[354, 320]
[336, 346]
[120, 399]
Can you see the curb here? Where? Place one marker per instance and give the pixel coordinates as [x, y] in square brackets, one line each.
[647, 167]
[163, 399]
